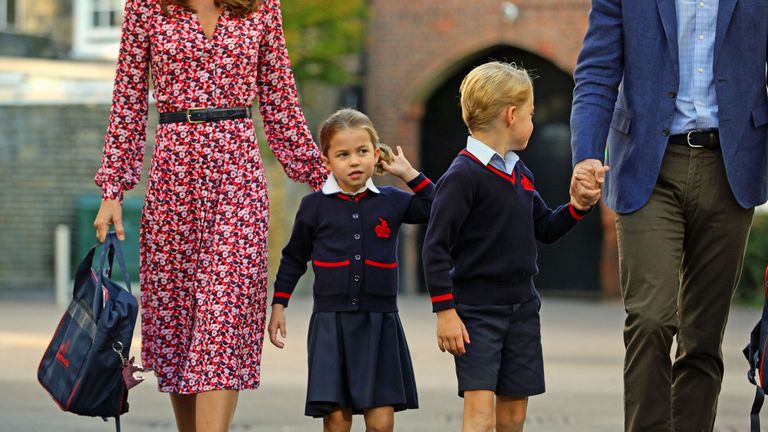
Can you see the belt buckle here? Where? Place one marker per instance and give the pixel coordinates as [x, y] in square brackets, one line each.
[688, 138]
[189, 113]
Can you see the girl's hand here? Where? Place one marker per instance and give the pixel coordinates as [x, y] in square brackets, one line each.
[277, 322]
[451, 332]
[110, 212]
[400, 167]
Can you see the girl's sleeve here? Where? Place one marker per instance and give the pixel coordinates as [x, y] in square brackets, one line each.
[127, 131]
[296, 253]
[284, 124]
[420, 202]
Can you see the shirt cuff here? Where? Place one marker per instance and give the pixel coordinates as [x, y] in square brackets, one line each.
[111, 191]
[443, 302]
[420, 182]
[281, 298]
[576, 213]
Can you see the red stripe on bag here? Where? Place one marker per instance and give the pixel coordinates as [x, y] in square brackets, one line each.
[69, 401]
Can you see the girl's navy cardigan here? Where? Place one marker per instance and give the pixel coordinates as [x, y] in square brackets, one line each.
[480, 246]
[352, 243]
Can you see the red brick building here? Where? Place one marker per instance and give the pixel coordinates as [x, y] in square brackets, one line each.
[417, 53]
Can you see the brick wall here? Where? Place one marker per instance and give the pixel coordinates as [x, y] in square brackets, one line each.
[413, 45]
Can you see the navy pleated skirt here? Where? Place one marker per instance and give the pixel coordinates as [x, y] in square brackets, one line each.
[358, 360]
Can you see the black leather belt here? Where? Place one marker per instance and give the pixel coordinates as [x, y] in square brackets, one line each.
[697, 138]
[200, 115]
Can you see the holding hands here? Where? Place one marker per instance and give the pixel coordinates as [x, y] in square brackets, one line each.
[587, 183]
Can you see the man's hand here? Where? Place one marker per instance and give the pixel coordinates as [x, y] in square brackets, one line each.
[587, 183]
[451, 333]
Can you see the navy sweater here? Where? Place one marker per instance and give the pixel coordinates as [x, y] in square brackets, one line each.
[352, 243]
[480, 246]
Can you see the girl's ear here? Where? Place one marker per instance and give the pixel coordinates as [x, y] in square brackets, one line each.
[510, 114]
[377, 153]
[326, 162]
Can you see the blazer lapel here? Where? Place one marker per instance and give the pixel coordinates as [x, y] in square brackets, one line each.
[668, 15]
[724, 14]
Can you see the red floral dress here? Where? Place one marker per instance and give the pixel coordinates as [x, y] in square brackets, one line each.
[203, 266]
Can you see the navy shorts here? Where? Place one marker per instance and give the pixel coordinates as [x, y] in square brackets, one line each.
[504, 355]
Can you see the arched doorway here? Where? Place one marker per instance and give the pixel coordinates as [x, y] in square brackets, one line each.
[571, 265]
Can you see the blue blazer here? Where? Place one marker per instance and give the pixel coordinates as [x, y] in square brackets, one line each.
[627, 80]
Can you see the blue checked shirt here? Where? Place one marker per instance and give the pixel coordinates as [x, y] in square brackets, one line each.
[696, 105]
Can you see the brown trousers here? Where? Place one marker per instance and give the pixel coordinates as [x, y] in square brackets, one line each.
[680, 257]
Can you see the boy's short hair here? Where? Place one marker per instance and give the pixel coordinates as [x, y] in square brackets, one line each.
[490, 87]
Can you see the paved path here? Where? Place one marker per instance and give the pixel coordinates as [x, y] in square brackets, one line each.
[582, 355]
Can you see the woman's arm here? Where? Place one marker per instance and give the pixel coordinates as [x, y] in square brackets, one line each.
[284, 122]
[127, 131]
[126, 135]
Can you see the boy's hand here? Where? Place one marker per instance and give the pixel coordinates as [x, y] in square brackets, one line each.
[451, 333]
[400, 166]
[586, 185]
[277, 322]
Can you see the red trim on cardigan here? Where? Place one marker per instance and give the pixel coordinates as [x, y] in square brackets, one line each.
[282, 294]
[355, 198]
[502, 174]
[443, 297]
[574, 214]
[380, 264]
[421, 185]
[330, 264]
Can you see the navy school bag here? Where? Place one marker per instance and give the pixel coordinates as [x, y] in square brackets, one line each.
[82, 367]
[755, 353]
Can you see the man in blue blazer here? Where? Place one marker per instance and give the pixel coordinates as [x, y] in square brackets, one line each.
[677, 91]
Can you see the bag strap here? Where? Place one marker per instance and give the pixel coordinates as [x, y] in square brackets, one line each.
[111, 246]
[83, 273]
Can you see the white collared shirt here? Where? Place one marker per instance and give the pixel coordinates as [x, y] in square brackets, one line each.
[488, 156]
[331, 186]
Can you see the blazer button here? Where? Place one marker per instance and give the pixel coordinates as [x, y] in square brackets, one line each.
[357, 257]
[354, 301]
[356, 278]
[357, 236]
[355, 215]
[665, 132]
[672, 95]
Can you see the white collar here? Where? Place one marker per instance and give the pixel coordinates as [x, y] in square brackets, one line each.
[331, 186]
[484, 153]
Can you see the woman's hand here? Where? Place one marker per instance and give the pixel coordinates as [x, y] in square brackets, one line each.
[110, 212]
[451, 332]
[400, 166]
[277, 322]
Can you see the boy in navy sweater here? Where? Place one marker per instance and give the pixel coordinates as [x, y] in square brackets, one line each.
[480, 250]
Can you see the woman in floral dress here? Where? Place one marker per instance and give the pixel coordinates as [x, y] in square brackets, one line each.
[203, 251]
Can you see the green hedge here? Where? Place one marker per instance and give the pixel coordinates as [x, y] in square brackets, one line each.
[750, 289]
